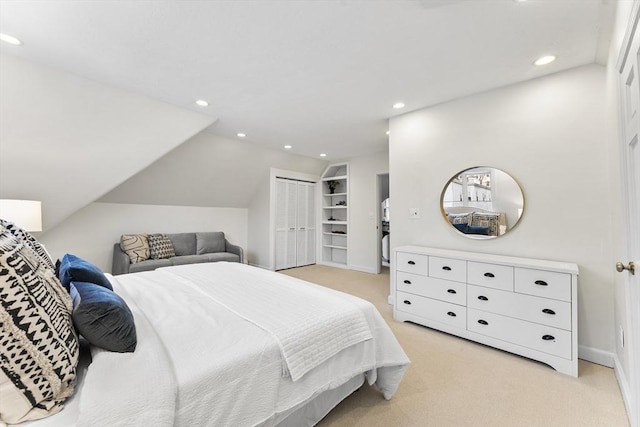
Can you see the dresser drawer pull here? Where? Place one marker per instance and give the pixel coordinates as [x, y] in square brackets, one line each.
[411, 262]
[483, 322]
[451, 291]
[407, 302]
[489, 275]
[548, 337]
[548, 311]
[407, 282]
[483, 298]
[541, 283]
[451, 313]
[446, 268]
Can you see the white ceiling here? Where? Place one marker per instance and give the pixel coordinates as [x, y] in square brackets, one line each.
[319, 75]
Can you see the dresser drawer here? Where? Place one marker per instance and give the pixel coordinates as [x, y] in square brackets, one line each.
[547, 284]
[490, 275]
[438, 311]
[545, 311]
[412, 263]
[531, 335]
[447, 268]
[444, 290]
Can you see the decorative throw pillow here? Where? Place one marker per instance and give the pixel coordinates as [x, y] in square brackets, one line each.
[136, 246]
[73, 268]
[160, 247]
[38, 343]
[103, 317]
[28, 239]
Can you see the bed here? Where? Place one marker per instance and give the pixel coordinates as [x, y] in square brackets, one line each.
[227, 344]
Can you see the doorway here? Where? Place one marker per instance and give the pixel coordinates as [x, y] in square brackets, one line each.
[383, 223]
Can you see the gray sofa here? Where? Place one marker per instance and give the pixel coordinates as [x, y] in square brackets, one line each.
[190, 248]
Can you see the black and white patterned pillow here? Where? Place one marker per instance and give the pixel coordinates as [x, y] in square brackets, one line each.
[160, 246]
[38, 343]
[27, 238]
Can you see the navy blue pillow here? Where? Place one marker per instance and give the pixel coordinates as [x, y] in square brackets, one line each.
[102, 317]
[74, 269]
[461, 227]
[477, 229]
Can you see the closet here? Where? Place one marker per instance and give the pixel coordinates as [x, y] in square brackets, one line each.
[295, 223]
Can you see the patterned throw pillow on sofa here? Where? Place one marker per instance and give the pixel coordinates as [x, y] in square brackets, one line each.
[160, 247]
[38, 342]
[136, 246]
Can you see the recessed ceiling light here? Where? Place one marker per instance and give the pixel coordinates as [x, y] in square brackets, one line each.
[202, 103]
[10, 39]
[241, 135]
[288, 147]
[387, 132]
[398, 105]
[323, 155]
[545, 60]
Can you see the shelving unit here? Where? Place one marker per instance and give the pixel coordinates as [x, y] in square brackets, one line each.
[335, 215]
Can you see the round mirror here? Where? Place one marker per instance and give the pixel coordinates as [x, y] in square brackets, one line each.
[482, 202]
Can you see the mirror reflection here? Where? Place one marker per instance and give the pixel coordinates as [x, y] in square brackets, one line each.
[482, 202]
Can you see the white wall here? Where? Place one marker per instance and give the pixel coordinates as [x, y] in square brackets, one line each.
[66, 140]
[551, 135]
[363, 205]
[208, 170]
[91, 232]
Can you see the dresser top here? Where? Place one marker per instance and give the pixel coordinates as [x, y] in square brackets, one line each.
[563, 267]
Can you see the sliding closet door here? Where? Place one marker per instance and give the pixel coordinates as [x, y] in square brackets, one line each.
[286, 207]
[306, 224]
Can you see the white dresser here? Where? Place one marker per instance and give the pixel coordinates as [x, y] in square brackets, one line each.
[524, 306]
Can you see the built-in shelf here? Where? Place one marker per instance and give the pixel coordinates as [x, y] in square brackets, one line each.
[328, 233]
[335, 239]
[335, 247]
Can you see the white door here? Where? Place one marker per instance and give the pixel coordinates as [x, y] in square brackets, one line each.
[629, 114]
[306, 224]
[286, 207]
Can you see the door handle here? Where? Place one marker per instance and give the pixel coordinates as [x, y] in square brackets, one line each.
[621, 267]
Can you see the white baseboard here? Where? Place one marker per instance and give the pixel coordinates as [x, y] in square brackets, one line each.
[362, 269]
[594, 355]
[623, 383]
[261, 266]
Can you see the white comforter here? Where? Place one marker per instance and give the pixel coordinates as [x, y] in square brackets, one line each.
[202, 361]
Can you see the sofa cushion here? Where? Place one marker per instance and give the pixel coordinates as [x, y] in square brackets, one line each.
[223, 256]
[211, 242]
[150, 264]
[136, 246]
[183, 243]
[103, 318]
[188, 259]
[160, 247]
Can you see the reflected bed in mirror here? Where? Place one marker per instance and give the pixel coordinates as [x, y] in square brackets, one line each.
[482, 202]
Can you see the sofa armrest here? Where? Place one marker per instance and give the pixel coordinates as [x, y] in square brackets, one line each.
[234, 249]
[121, 261]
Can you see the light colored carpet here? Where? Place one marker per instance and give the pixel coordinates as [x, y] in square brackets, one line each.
[455, 382]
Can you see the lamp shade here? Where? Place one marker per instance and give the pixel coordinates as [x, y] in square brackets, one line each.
[26, 214]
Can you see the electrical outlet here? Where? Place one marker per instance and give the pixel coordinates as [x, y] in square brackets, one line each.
[414, 213]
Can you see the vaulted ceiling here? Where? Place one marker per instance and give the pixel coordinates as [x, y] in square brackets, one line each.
[321, 76]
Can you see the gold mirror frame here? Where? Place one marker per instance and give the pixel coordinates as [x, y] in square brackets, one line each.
[482, 202]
